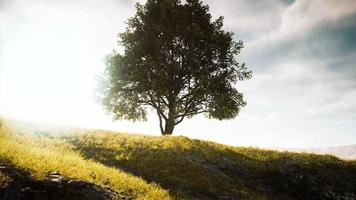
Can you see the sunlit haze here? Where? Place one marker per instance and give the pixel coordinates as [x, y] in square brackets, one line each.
[302, 54]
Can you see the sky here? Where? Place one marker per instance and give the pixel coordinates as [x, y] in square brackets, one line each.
[302, 54]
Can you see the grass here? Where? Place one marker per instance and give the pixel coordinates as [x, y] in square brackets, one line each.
[149, 167]
[186, 167]
[4, 180]
[40, 156]
[206, 170]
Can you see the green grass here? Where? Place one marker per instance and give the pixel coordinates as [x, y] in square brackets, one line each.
[150, 167]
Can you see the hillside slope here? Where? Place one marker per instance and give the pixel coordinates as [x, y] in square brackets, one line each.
[149, 167]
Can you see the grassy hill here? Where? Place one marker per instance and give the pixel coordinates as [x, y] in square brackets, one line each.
[149, 167]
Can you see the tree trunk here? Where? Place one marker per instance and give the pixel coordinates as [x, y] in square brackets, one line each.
[170, 123]
[169, 127]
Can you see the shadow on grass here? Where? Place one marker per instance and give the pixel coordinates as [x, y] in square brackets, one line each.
[20, 185]
[204, 171]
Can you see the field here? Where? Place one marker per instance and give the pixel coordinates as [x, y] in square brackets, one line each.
[148, 167]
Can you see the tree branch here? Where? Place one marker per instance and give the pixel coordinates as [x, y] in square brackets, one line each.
[160, 122]
[157, 107]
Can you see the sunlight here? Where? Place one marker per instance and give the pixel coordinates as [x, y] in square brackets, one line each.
[49, 63]
[39, 82]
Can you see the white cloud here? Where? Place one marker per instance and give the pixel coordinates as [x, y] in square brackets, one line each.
[296, 89]
[249, 19]
[302, 17]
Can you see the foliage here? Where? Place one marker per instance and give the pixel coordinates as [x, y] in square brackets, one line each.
[178, 61]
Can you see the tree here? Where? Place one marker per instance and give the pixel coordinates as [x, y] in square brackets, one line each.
[178, 61]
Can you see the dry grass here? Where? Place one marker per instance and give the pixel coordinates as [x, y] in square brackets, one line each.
[149, 167]
[41, 156]
[201, 169]
[4, 180]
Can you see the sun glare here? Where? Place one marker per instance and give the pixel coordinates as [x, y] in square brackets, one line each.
[50, 57]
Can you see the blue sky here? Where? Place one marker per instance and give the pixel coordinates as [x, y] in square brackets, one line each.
[302, 54]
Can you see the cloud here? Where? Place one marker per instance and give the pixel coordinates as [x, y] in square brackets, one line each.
[305, 15]
[318, 28]
[303, 56]
[249, 19]
[304, 71]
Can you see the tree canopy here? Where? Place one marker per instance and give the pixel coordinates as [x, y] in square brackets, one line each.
[176, 60]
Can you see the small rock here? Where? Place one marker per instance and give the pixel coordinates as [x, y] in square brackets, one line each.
[58, 180]
[54, 176]
[54, 173]
[26, 189]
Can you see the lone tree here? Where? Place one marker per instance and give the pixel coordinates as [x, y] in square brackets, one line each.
[178, 61]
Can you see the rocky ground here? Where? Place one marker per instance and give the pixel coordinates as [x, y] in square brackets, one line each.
[22, 186]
